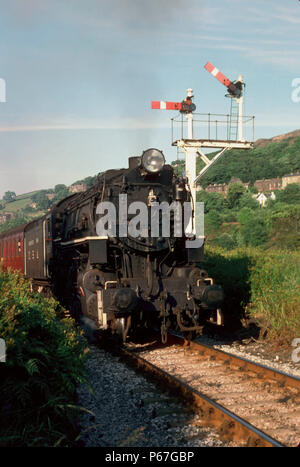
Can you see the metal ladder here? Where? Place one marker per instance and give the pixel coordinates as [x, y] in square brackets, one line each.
[232, 129]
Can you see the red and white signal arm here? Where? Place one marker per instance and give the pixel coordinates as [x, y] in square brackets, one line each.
[235, 88]
[217, 74]
[163, 105]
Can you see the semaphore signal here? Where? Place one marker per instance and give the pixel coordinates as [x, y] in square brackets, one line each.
[191, 146]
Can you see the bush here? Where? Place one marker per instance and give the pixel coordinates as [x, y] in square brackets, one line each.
[234, 194]
[213, 219]
[260, 285]
[275, 294]
[211, 201]
[44, 364]
[225, 241]
[290, 195]
[255, 232]
[229, 216]
[246, 201]
[230, 269]
[244, 215]
[285, 227]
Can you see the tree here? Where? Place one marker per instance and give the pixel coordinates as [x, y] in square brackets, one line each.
[19, 220]
[255, 232]
[234, 194]
[42, 201]
[246, 200]
[60, 193]
[225, 241]
[9, 196]
[245, 215]
[58, 188]
[253, 190]
[213, 219]
[211, 201]
[290, 195]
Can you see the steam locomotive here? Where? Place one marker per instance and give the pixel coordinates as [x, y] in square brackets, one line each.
[120, 279]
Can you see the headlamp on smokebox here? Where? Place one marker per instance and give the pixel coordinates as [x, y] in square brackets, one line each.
[153, 160]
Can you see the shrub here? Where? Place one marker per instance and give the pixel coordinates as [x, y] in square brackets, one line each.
[234, 195]
[211, 201]
[261, 285]
[44, 364]
[275, 294]
[230, 269]
[244, 215]
[255, 232]
[213, 219]
[225, 241]
[229, 216]
[290, 195]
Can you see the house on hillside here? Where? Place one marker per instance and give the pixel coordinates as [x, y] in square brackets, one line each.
[223, 188]
[217, 188]
[238, 180]
[6, 216]
[262, 198]
[77, 188]
[268, 184]
[290, 178]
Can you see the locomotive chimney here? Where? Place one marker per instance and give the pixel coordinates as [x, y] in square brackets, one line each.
[134, 162]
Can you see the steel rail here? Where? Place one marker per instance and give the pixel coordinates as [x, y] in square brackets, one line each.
[241, 363]
[229, 425]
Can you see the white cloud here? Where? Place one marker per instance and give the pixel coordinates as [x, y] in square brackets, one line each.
[88, 124]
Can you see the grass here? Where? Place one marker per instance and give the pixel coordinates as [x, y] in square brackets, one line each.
[20, 202]
[275, 294]
[259, 284]
[17, 205]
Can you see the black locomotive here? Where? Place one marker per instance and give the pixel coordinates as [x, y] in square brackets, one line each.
[123, 282]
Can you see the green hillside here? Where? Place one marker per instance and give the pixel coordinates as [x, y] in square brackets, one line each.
[271, 158]
[19, 203]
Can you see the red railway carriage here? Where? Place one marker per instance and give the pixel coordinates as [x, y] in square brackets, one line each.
[12, 249]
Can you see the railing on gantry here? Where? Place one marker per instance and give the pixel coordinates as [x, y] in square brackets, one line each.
[212, 127]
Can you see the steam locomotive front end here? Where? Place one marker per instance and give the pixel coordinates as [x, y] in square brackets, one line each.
[157, 276]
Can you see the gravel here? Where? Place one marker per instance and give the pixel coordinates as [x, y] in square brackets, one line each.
[258, 352]
[127, 410]
[265, 404]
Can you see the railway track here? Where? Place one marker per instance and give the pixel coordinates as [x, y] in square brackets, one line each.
[246, 402]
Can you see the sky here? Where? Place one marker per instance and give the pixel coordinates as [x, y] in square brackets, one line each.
[80, 77]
